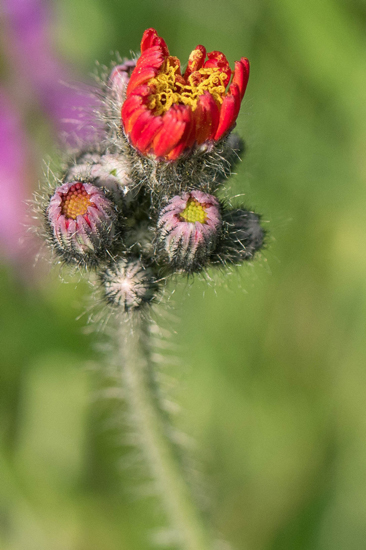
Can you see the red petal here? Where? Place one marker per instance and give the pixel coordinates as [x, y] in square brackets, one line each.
[153, 57]
[206, 117]
[130, 105]
[241, 75]
[148, 39]
[139, 125]
[229, 111]
[195, 60]
[143, 91]
[235, 92]
[188, 138]
[162, 44]
[134, 105]
[145, 128]
[190, 133]
[140, 77]
[148, 133]
[177, 151]
[151, 38]
[129, 122]
[218, 60]
[175, 122]
[135, 100]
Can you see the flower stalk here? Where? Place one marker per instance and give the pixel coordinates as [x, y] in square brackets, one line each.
[142, 394]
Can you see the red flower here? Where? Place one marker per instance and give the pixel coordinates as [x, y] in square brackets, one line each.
[166, 114]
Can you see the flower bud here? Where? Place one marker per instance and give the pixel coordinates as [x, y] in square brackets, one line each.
[242, 237]
[128, 284]
[188, 228]
[107, 170]
[81, 222]
[119, 78]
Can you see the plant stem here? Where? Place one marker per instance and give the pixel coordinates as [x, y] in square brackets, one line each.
[150, 422]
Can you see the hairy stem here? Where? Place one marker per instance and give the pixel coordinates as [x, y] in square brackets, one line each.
[150, 422]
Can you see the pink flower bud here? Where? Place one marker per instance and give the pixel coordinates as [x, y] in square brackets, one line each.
[188, 228]
[81, 222]
[119, 78]
[111, 171]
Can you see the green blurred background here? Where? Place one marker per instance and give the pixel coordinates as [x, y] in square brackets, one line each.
[274, 392]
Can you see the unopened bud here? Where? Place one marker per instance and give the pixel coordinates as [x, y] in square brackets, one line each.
[119, 78]
[128, 284]
[81, 221]
[188, 228]
[242, 237]
[107, 170]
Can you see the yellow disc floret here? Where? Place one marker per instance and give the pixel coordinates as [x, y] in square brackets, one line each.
[170, 88]
[194, 212]
[75, 202]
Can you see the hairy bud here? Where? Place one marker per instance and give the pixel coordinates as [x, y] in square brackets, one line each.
[128, 284]
[111, 171]
[242, 237]
[188, 228]
[119, 78]
[81, 222]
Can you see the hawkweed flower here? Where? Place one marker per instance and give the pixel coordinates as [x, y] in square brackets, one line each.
[188, 228]
[166, 113]
[81, 222]
[128, 284]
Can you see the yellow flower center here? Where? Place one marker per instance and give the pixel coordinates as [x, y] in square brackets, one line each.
[194, 212]
[170, 88]
[75, 202]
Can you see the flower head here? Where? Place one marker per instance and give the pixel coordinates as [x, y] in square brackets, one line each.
[188, 228]
[128, 284]
[81, 221]
[167, 113]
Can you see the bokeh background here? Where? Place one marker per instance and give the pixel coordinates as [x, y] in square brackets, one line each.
[275, 389]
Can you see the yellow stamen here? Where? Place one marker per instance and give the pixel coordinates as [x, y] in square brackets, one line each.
[168, 90]
[194, 212]
[75, 203]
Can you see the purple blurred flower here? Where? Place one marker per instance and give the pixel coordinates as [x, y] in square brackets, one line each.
[14, 178]
[35, 76]
[36, 66]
